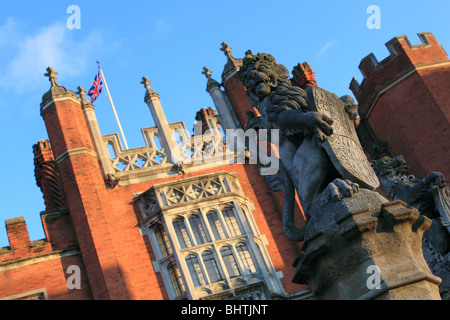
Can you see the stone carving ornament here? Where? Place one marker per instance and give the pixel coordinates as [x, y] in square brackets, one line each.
[320, 154]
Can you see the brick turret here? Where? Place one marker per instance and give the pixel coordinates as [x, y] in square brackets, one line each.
[84, 186]
[405, 100]
[234, 88]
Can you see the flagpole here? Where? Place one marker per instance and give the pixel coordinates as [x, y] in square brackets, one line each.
[112, 105]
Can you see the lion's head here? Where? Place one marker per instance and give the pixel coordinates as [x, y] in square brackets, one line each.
[387, 166]
[260, 74]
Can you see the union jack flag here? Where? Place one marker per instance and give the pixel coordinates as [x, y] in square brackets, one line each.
[97, 87]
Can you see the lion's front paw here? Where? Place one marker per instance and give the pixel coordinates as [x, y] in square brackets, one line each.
[435, 179]
[339, 189]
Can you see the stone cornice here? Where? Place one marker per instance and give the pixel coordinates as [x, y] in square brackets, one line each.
[72, 152]
[22, 262]
[52, 99]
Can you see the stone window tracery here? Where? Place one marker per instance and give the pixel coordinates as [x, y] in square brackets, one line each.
[208, 242]
[195, 270]
[216, 225]
[197, 229]
[181, 231]
[211, 266]
[245, 257]
[231, 222]
[175, 277]
[230, 261]
[163, 240]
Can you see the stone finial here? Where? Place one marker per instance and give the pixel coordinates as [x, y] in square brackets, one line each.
[82, 94]
[55, 89]
[146, 83]
[51, 74]
[211, 82]
[150, 92]
[232, 65]
[207, 72]
[225, 48]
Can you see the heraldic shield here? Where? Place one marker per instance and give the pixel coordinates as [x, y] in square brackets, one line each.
[343, 146]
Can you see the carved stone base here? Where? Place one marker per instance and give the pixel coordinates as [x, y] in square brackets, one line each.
[367, 248]
[256, 291]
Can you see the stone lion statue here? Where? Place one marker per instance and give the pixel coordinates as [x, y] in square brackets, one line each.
[431, 197]
[398, 185]
[305, 165]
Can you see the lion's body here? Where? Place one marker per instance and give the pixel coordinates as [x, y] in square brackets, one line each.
[285, 107]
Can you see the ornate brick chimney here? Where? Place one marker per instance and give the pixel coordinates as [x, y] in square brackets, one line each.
[47, 176]
[303, 76]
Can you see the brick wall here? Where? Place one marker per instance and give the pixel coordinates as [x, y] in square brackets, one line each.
[238, 98]
[27, 266]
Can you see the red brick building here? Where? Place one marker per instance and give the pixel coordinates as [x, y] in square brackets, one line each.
[136, 224]
[404, 101]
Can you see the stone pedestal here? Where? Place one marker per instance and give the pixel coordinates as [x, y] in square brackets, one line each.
[365, 247]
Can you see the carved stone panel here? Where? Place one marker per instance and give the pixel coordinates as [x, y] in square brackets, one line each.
[343, 146]
[194, 189]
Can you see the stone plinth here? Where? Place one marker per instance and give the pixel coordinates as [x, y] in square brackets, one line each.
[365, 247]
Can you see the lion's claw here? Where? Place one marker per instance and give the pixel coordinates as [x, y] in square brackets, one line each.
[339, 189]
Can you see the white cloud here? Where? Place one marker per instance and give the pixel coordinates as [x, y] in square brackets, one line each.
[162, 26]
[8, 32]
[31, 54]
[326, 48]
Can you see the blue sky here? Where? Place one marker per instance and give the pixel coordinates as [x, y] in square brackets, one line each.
[170, 43]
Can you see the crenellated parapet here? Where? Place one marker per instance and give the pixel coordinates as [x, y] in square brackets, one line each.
[404, 101]
[404, 59]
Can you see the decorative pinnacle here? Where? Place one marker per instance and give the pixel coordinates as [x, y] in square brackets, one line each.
[146, 84]
[207, 72]
[51, 74]
[81, 92]
[226, 49]
[211, 82]
[232, 64]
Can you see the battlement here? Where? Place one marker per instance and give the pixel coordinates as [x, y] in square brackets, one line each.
[404, 59]
[59, 235]
[19, 241]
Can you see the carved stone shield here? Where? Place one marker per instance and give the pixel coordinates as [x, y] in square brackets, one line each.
[343, 146]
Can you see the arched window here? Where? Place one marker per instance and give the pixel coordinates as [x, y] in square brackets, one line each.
[246, 258]
[211, 266]
[175, 278]
[195, 270]
[231, 222]
[230, 261]
[181, 232]
[216, 225]
[163, 240]
[197, 229]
